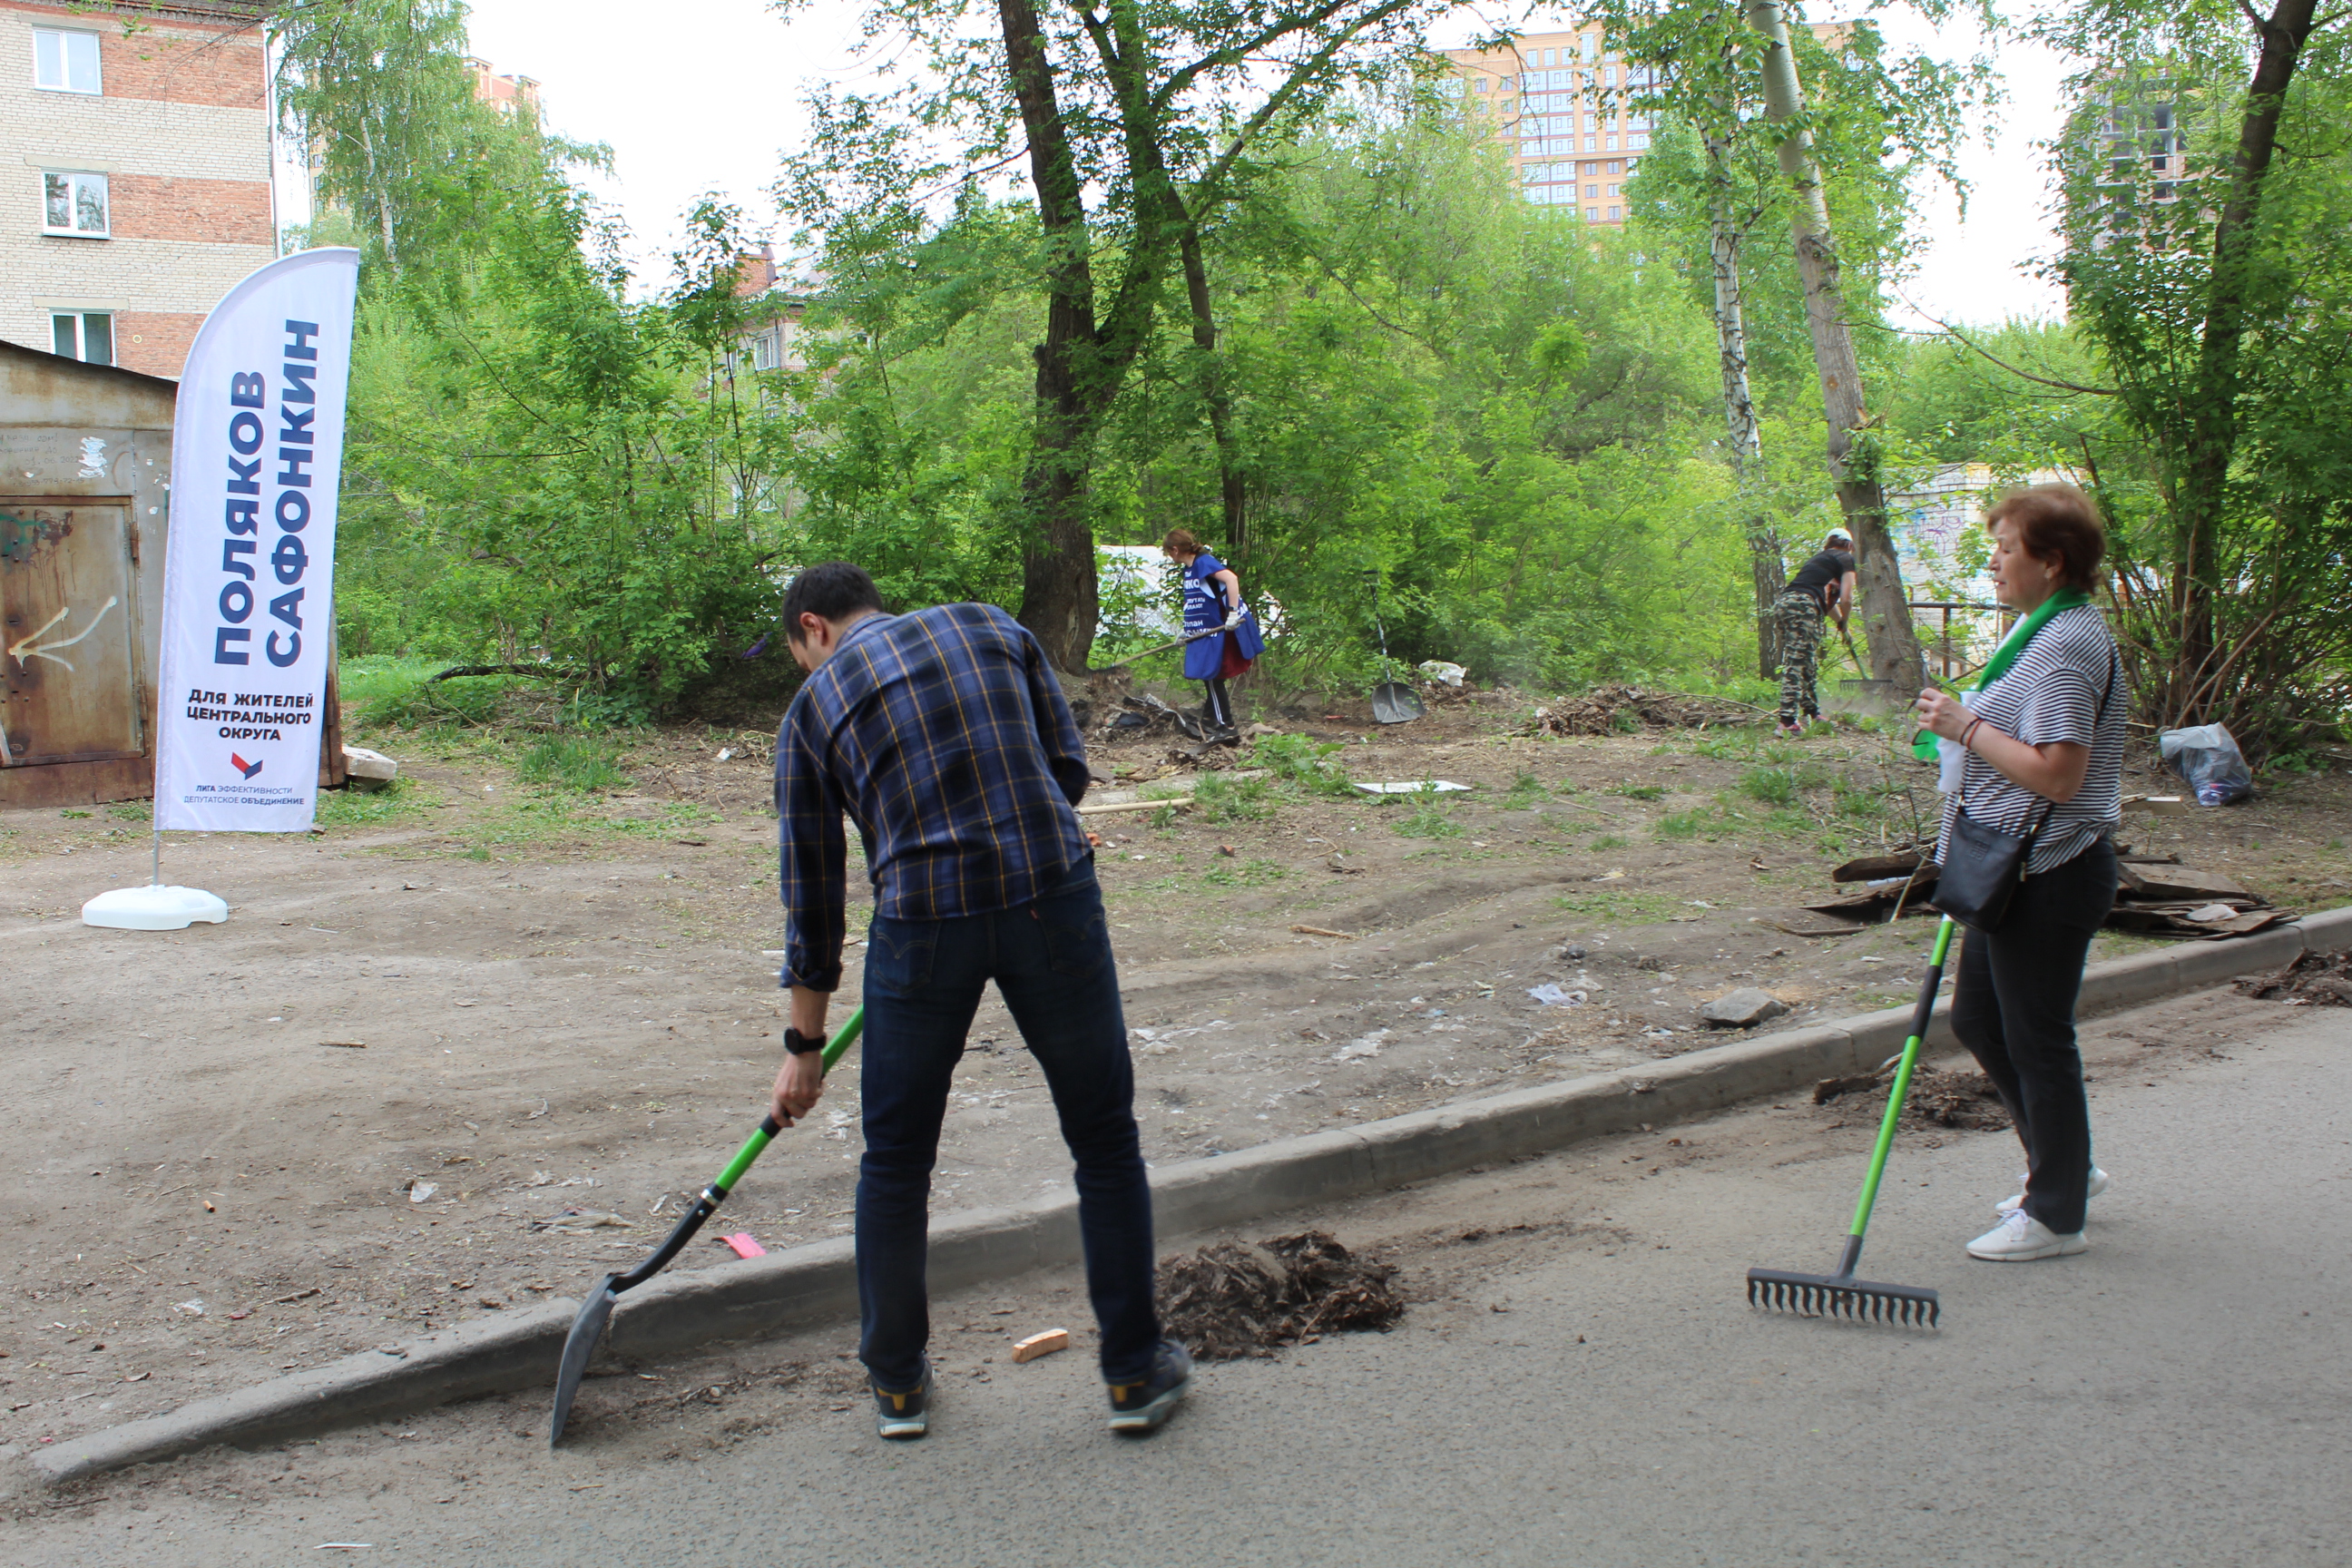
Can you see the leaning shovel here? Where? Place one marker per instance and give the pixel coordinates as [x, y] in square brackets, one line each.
[1393, 702]
[589, 1326]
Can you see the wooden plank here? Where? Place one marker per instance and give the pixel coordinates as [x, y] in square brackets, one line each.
[1871, 867]
[2178, 882]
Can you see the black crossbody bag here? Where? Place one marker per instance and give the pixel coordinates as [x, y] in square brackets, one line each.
[1982, 865]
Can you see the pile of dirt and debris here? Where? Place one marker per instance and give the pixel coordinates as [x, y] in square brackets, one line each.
[2314, 980]
[1232, 1300]
[1614, 710]
[1966, 1101]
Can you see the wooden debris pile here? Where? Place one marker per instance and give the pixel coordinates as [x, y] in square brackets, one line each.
[2156, 896]
[1617, 709]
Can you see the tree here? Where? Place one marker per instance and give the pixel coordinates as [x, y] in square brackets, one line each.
[2197, 231]
[1125, 115]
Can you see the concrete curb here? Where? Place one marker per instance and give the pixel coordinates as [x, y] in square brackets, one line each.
[808, 1286]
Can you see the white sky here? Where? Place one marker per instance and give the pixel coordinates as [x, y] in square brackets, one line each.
[706, 102]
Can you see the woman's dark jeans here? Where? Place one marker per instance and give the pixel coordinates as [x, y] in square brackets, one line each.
[1052, 963]
[2014, 1007]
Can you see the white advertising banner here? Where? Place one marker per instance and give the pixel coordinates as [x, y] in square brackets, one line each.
[249, 581]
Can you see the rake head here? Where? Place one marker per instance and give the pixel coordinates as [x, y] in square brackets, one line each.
[1843, 1296]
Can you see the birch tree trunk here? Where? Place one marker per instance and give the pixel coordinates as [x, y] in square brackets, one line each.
[1886, 612]
[1724, 235]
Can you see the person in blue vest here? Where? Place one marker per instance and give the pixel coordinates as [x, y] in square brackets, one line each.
[1212, 601]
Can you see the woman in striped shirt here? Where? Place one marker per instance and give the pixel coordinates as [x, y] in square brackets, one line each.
[2044, 746]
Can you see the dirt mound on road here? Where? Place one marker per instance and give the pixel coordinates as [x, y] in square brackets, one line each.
[1961, 1100]
[2317, 979]
[1231, 1300]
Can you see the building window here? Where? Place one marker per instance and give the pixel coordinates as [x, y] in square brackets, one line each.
[1592, 143]
[87, 335]
[63, 61]
[1637, 141]
[74, 203]
[1616, 215]
[1609, 143]
[1616, 167]
[1593, 215]
[1591, 42]
[1484, 84]
[1591, 191]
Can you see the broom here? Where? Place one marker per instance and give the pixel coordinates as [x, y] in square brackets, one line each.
[1841, 1294]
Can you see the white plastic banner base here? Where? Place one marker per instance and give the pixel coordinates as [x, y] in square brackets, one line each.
[154, 909]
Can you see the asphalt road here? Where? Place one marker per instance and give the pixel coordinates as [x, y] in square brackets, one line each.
[1593, 1392]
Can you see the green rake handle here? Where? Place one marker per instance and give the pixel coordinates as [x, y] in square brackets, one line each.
[1919, 1019]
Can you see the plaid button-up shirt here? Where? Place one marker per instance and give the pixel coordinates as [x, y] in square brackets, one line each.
[944, 733]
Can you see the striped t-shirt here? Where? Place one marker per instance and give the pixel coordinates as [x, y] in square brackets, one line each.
[2052, 693]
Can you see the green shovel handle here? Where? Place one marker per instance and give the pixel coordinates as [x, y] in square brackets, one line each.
[757, 1144]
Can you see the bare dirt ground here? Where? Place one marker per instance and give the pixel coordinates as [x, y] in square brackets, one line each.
[468, 1004]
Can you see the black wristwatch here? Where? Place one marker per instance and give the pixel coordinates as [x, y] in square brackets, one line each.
[799, 1045]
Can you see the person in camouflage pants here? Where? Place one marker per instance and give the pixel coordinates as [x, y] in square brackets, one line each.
[1799, 621]
[1824, 586]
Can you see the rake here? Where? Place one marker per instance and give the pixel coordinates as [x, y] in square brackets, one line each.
[1841, 1295]
[588, 1328]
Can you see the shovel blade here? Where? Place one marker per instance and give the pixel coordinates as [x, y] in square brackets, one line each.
[578, 1347]
[1394, 702]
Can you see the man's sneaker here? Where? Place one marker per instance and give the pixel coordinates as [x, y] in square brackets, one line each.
[2016, 1201]
[904, 1414]
[1787, 731]
[2022, 1239]
[1141, 1407]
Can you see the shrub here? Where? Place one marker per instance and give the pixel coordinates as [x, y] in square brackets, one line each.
[573, 760]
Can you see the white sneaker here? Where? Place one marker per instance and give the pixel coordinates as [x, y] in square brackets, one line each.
[2016, 1201]
[2022, 1239]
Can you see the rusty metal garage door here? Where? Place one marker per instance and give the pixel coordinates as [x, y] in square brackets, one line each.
[68, 631]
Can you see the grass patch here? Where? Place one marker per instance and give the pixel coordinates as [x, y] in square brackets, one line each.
[1248, 874]
[1687, 824]
[1773, 786]
[1303, 762]
[356, 807]
[1429, 820]
[1527, 790]
[1610, 841]
[573, 760]
[73, 815]
[1221, 799]
[130, 811]
[1641, 792]
[1607, 908]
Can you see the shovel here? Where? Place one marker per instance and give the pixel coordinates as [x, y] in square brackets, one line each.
[589, 1326]
[1393, 702]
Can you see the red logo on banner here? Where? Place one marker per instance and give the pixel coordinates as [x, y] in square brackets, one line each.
[248, 769]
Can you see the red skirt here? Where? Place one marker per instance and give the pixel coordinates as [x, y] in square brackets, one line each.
[1234, 664]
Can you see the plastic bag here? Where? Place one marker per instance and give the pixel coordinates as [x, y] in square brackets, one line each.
[2208, 760]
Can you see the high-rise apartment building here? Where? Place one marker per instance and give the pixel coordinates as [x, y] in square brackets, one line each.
[135, 172]
[507, 94]
[1559, 103]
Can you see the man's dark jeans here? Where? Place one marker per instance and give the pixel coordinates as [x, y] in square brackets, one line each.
[1052, 963]
[2014, 1007]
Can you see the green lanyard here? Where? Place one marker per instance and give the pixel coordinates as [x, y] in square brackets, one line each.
[1923, 745]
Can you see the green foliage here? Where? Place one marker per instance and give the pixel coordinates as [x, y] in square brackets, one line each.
[1305, 762]
[359, 806]
[573, 760]
[1248, 874]
[1773, 786]
[1219, 799]
[1641, 792]
[1429, 819]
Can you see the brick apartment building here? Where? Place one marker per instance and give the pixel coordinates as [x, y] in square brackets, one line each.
[1557, 103]
[134, 173]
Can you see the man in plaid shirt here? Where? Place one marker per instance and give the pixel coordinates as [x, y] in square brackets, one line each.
[944, 733]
